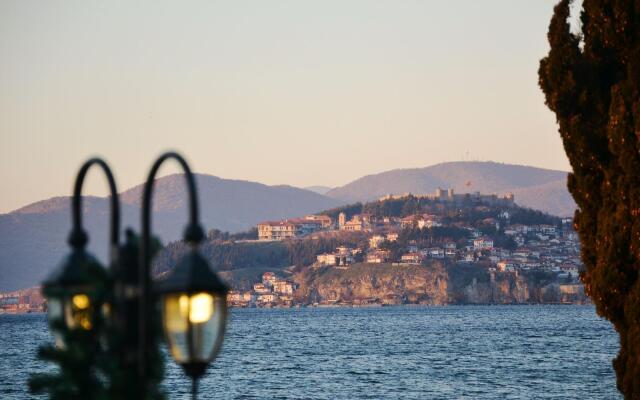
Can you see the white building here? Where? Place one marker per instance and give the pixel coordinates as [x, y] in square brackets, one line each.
[411, 258]
[375, 240]
[482, 243]
[260, 288]
[326, 259]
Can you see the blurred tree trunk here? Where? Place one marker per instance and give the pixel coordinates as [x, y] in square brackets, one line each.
[591, 82]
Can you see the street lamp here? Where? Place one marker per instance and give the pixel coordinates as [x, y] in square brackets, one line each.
[104, 321]
[77, 289]
[194, 308]
[192, 297]
[75, 294]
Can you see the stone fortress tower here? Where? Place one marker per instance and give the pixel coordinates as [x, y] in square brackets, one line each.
[342, 220]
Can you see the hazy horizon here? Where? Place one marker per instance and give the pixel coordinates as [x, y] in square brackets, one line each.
[289, 92]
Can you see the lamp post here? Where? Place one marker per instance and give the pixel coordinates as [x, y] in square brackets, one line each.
[193, 298]
[77, 290]
[77, 293]
[104, 321]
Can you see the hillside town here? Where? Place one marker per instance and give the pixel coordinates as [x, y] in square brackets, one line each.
[551, 248]
[270, 291]
[22, 301]
[492, 240]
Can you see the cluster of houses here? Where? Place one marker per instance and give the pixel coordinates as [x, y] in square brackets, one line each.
[545, 248]
[22, 301]
[532, 247]
[539, 247]
[271, 291]
[298, 227]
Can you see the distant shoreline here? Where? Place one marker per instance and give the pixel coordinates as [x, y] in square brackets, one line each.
[385, 306]
[376, 306]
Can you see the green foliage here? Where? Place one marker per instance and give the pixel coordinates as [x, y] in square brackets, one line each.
[591, 82]
[396, 248]
[350, 210]
[468, 211]
[437, 235]
[505, 242]
[226, 256]
[78, 376]
[303, 252]
[216, 234]
[387, 208]
[251, 234]
[94, 364]
[527, 216]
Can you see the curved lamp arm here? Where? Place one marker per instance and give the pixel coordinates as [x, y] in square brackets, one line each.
[78, 237]
[193, 234]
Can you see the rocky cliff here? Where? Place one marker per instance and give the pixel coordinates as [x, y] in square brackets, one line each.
[435, 284]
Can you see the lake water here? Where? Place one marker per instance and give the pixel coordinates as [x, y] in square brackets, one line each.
[456, 352]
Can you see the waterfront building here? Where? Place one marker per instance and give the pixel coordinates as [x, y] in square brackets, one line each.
[248, 297]
[269, 278]
[267, 298]
[234, 296]
[284, 287]
[260, 288]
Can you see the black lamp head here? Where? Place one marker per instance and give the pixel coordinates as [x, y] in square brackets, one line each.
[75, 292]
[194, 310]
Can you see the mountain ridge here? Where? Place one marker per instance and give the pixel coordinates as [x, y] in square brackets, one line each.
[33, 238]
[318, 189]
[532, 186]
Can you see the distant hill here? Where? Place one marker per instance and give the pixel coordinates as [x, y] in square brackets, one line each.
[537, 188]
[318, 189]
[33, 238]
[228, 205]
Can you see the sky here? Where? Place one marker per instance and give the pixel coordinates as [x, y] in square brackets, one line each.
[280, 92]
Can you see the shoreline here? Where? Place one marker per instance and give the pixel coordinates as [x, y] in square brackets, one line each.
[379, 306]
[364, 306]
[414, 305]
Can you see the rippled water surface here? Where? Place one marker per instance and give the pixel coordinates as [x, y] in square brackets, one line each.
[466, 352]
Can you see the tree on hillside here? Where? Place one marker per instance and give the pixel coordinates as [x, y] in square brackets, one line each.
[591, 82]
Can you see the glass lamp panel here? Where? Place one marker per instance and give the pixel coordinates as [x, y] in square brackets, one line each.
[55, 316]
[175, 315]
[207, 317]
[54, 309]
[78, 312]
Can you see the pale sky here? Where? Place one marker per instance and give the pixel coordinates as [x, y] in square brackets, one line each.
[280, 92]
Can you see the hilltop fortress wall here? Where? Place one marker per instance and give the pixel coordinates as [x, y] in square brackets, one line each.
[448, 195]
